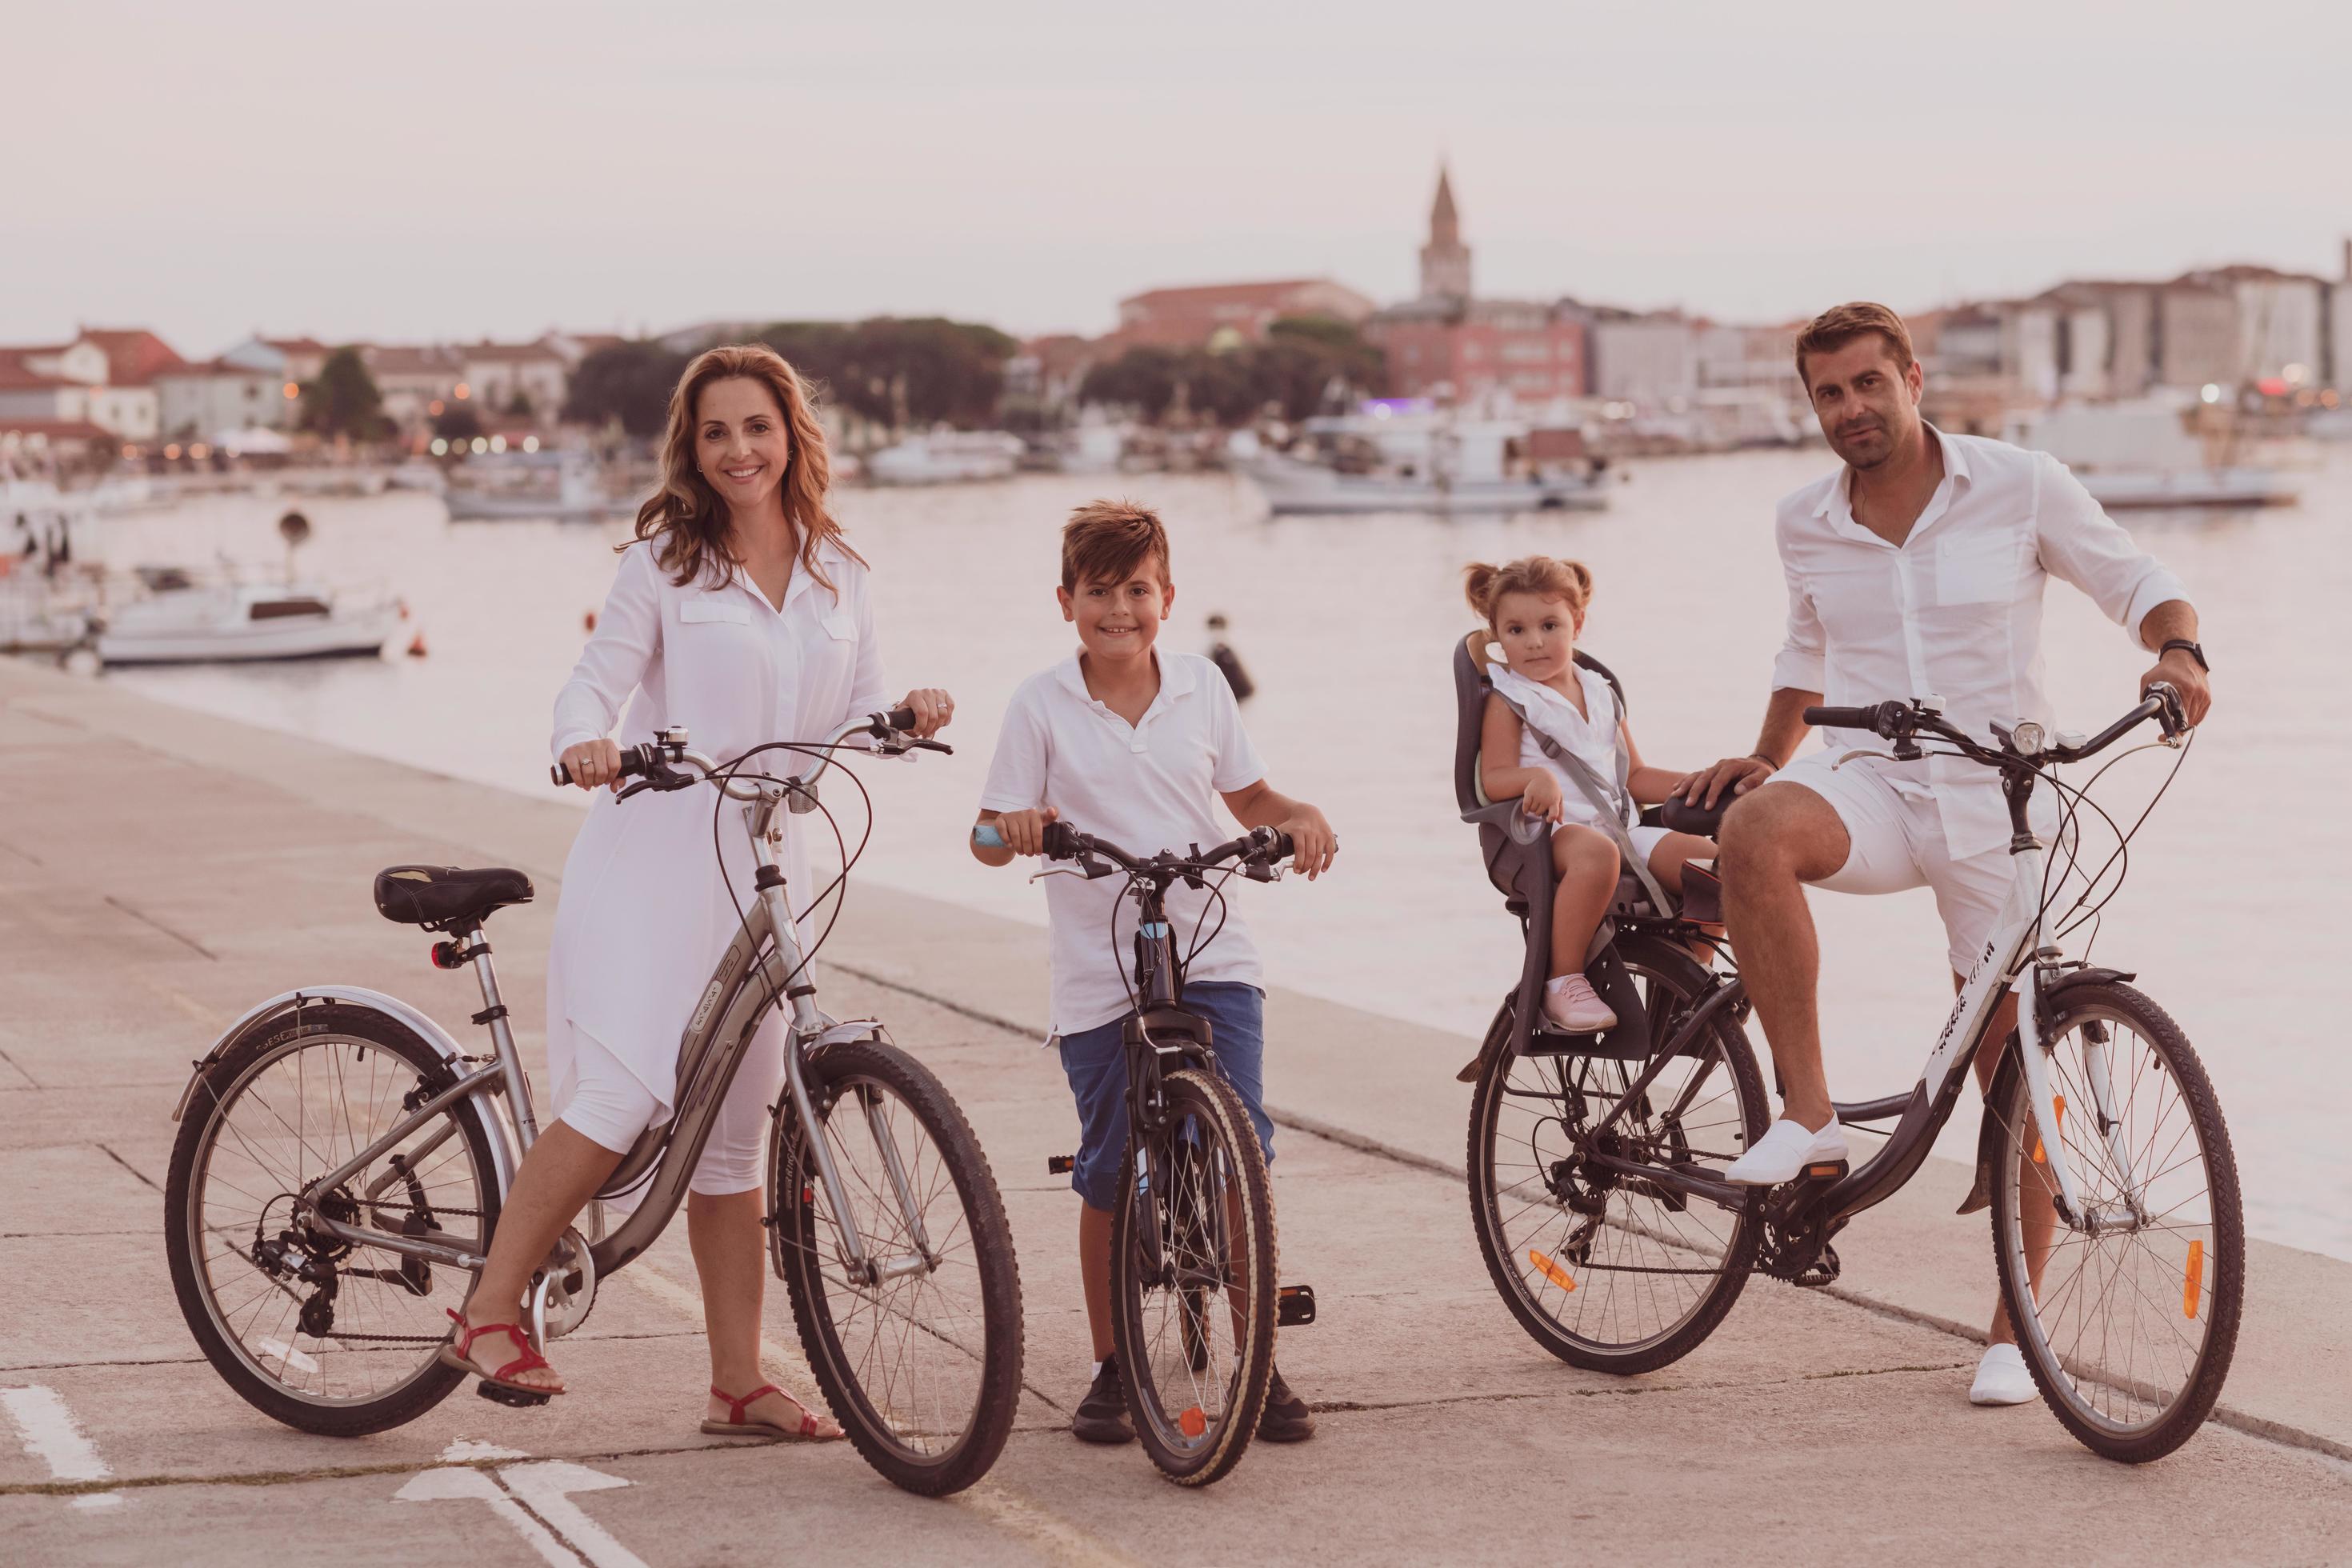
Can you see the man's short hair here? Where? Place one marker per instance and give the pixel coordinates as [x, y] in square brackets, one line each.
[1109, 540]
[1841, 324]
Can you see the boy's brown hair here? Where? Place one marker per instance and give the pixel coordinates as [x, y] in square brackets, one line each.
[1841, 324]
[1109, 540]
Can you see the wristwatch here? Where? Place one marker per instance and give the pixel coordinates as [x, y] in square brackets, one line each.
[2194, 652]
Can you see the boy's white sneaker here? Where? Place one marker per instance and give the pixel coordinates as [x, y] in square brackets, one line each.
[1787, 1147]
[2002, 1378]
[1573, 1007]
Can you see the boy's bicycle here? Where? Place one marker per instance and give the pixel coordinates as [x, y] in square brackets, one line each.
[1597, 1187]
[339, 1181]
[1197, 1227]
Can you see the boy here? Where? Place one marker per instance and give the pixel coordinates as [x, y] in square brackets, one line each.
[1132, 744]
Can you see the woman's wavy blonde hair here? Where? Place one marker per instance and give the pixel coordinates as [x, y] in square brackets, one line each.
[687, 520]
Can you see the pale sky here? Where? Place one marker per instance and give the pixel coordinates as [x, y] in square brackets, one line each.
[405, 172]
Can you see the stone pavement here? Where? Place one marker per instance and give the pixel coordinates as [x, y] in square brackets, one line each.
[160, 871]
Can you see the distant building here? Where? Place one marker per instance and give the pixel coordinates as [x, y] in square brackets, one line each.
[1649, 359]
[202, 402]
[1450, 346]
[297, 360]
[36, 395]
[417, 384]
[2196, 333]
[1445, 260]
[498, 373]
[1221, 315]
[1044, 375]
[2339, 327]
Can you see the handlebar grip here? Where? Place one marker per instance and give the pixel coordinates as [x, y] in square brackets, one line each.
[987, 837]
[1061, 841]
[633, 763]
[1845, 718]
[900, 717]
[1281, 849]
[559, 773]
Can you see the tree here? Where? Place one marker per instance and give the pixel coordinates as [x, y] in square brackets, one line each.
[894, 371]
[630, 383]
[342, 400]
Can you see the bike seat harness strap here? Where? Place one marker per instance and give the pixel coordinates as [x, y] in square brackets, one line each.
[1609, 798]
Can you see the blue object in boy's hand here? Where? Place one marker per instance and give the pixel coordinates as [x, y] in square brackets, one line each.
[987, 838]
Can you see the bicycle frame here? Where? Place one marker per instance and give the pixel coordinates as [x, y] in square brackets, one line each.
[764, 964]
[2012, 961]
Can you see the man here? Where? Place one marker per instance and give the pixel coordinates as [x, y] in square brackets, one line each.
[1918, 569]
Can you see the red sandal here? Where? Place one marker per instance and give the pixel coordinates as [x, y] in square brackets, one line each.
[737, 1425]
[460, 1355]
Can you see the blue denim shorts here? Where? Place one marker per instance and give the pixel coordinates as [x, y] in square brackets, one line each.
[1097, 1065]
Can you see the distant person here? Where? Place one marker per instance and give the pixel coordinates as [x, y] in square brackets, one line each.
[1228, 662]
[741, 613]
[30, 543]
[1139, 747]
[1917, 568]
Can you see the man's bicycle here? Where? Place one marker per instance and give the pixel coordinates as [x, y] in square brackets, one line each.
[342, 1161]
[1195, 1298]
[1597, 1183]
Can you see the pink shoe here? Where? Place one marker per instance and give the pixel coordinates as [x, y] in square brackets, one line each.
[1573, 1007]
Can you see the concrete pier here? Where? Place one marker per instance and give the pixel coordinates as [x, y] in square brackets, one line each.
[160, 871]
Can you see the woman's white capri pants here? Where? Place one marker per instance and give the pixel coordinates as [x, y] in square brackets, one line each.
[605, 1103]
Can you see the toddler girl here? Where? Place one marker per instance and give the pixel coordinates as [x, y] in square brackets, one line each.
[1534, 610]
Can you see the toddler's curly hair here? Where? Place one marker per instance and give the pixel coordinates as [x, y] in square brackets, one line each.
[1546, 576]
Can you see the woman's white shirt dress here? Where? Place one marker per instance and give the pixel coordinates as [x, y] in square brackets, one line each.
[644, 915]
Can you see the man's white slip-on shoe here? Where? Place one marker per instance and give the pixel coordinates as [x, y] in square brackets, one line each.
[1786, 1150]
[2002, 1378]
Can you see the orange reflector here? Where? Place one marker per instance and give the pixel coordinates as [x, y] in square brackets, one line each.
[2060, 1102]
[1550, 1270]
[1193, 1423]
[2196, 1278]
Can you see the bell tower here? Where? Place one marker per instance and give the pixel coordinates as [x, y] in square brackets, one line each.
[1445, 260]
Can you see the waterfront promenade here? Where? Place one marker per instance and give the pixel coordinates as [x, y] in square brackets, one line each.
[160, 870]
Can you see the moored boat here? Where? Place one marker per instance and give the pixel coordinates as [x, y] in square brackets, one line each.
[237, 622]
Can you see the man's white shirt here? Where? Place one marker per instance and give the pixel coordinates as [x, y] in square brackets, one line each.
[1144, 788]
[1954, 610]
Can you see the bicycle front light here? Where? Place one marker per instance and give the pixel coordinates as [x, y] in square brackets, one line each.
[2027, 737]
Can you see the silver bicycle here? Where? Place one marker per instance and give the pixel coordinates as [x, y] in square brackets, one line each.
[342, 1159]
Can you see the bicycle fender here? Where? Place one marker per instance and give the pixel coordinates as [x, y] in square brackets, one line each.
[2086, 975]
[260, 1017]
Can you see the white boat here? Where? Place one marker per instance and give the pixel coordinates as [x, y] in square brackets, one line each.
[945, 457]
[2147, 454]
[1418, 459]
[243, 621]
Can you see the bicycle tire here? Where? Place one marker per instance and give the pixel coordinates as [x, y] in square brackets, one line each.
[224, 1083]
[798, 1228]
[1193, 1094]
[2222, 1267]
[1675, 978]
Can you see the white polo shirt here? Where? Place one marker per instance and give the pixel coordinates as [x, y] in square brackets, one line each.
[1954, 610]
[1144, 788]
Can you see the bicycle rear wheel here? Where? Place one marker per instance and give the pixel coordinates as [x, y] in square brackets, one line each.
[1608, 1273]
[1192, 1277]
[323, 1336]
[2129, 1319]
[920, 1361]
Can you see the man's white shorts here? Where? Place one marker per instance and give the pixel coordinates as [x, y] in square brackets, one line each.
[1896, 843]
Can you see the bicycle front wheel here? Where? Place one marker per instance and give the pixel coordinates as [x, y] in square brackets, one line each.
[916, 1346]
[1193, 1274]
[323, 1335]
[2128, 1316]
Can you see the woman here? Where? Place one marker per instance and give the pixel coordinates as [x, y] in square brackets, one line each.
[739, 613]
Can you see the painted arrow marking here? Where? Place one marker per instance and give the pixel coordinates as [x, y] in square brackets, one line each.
[534, 1499]
[52, 1436]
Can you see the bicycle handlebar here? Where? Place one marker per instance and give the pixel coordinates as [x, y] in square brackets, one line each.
[652, 761]
[1260, 847]
[1901, 722]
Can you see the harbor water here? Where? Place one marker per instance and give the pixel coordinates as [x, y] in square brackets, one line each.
[1347, 626]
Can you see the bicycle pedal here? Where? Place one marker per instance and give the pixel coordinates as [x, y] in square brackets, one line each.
[1060, 1164]
[1294, 1306]
[514, 1397]
[1822, 1170]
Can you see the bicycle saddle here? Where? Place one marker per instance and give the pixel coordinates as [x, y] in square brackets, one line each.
[438, 897]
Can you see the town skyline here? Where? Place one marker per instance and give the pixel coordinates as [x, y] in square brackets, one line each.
[479, 172]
